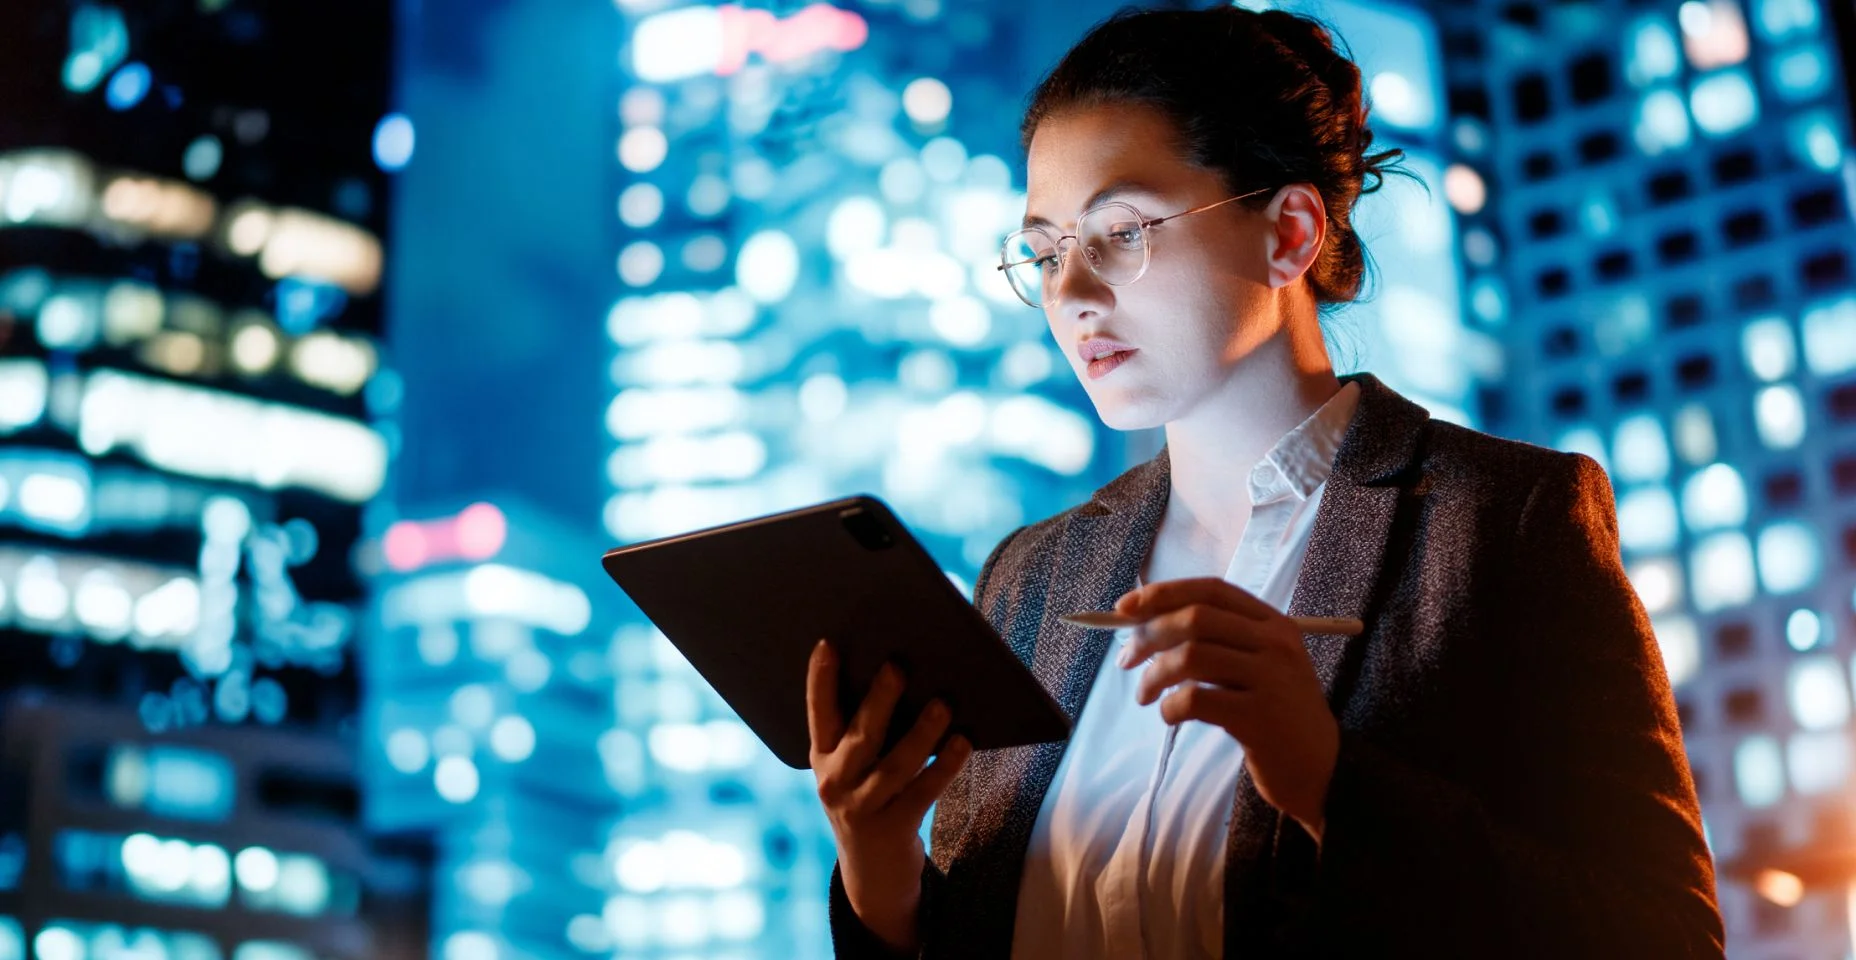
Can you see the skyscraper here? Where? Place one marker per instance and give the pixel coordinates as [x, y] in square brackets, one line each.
[190, 214]
[1657, 228]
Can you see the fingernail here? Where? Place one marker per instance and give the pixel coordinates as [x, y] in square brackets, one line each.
[959, 744]
[1126, 657]
[891, 676]
[936, 711]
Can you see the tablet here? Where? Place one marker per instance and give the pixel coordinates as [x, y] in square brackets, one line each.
[746, 602]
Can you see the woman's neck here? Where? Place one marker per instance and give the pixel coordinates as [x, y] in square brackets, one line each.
[1213, 449]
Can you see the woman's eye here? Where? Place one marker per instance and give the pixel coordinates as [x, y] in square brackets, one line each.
[1047, 263]
[1127, 238]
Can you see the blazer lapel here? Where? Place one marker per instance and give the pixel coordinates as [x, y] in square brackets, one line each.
[1097, 558]
[1373, 467]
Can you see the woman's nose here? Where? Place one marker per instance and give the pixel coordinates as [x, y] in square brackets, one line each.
[1076, 291]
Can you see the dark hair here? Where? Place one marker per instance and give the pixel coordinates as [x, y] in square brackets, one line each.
[1262, 98]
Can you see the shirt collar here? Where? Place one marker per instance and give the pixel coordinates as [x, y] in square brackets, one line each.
[1301, 461]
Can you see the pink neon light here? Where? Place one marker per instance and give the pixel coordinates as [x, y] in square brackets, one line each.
[817, 27]
[480, 531]
[404, 546]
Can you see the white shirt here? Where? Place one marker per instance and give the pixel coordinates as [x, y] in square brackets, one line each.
[1127, 855]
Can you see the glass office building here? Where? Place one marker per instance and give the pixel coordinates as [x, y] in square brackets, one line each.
[1656, 226]
[190, 254]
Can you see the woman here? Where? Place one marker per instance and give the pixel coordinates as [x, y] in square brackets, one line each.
[1493, 769]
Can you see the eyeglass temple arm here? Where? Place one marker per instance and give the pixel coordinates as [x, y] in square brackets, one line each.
[1186, 213]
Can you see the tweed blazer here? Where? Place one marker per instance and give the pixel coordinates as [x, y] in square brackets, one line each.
[1511, 780]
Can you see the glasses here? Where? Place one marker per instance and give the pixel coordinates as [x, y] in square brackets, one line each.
[1114, 238]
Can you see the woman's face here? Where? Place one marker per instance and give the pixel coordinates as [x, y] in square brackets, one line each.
[1206, 301]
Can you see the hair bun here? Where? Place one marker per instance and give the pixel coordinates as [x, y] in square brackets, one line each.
[1313, 44]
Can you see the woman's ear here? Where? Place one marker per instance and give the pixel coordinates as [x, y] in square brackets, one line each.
[1298, 224]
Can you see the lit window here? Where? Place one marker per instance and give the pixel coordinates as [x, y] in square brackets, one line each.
[1599, 216]
[201, 161]
[512, 739]
[128, 86]
[1713, 33]
[393, 142]
[1658, 582]
[1724, 103]
[1778, 412]
[927, 101]
[1714, 497]
[407, 751]
[1819, 762]
[679, 44]
[1800, 74]
[944, 159]
[1804, 629]
[1770, 351]
[1694, 434]
[708, 195]
[1650, 52]
[470, 945]
[1721, 572]
[456, 779]
[1680, 644]
[1815, 140]
[171, 781]
[643, 149]
[1819, 695]
[1662, 123]
[767, 266]
[1487, 300]
[640, 205]
[1464, 188]
[856, 224]
[1647, 519]
[1641, 449]
[1789, 560]
[1778, 19]
[1829, 333]
[1759, 771]
[641, 263]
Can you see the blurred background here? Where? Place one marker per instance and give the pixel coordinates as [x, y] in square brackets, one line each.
[337, 341]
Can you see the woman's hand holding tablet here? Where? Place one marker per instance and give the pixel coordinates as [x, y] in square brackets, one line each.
[876, 801]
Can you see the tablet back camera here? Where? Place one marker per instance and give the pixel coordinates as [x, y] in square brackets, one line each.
[868, 530]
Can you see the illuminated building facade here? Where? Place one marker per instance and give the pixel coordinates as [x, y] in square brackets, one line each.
[1657, 228]
[190, 385]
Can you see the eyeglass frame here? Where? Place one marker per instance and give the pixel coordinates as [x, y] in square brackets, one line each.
[1147, 254]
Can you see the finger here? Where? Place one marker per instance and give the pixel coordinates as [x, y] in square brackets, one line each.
[865, 737]
[927, 787]
[822, 717]
[1168, 595]
[1218, 706]
[1212, 663]
[1198, 622]
[906, 758]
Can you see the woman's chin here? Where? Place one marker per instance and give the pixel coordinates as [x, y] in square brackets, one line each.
[1121, 412]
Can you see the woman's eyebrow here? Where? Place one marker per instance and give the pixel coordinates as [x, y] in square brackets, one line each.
[1100, 196]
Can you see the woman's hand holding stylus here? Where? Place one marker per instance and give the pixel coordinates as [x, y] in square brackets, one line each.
[1241, 665]
[876, 801]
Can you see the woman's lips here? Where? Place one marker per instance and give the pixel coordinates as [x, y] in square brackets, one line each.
[1102, 367]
